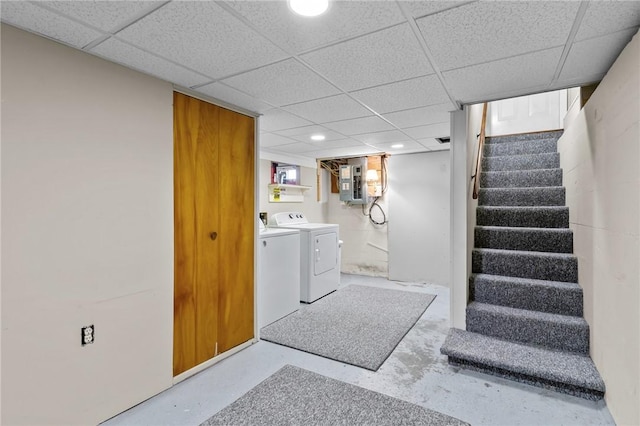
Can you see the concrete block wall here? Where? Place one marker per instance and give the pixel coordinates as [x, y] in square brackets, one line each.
[600, 156]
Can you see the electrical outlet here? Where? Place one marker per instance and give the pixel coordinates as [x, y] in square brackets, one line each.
[88, 334]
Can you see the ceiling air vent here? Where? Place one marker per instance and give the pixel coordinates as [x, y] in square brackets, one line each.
[444, 139]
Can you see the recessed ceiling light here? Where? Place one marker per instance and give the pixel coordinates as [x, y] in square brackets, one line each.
[309, 7]
[317, 137]
[397, 145]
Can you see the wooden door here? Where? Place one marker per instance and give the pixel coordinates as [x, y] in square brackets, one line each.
[214, 209]
[237, 221]
[196, 151]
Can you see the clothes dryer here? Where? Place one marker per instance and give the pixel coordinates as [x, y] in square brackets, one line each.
[319, 254]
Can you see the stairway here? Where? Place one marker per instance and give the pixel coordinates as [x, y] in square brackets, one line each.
[524, 319]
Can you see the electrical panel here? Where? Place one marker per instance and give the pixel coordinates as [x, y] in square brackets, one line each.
[353, 185]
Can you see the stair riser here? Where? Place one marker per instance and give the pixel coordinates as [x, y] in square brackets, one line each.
[577, 391]
[532, 218]
[545, 240]
[524, 137]
[538, 146]
[554, 196]
[529, 265]
[560, 336]
[521, 162]
[521, 179]
[539, 298]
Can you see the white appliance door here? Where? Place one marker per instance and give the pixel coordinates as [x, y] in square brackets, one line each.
[325, 253]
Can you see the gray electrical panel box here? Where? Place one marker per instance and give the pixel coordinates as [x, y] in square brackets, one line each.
[353, 186]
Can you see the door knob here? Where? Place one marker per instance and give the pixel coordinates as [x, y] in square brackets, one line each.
[213, 235]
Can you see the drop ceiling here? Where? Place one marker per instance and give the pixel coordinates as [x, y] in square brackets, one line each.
[368, 75]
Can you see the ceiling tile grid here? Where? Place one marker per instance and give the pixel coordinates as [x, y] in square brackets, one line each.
[360, 74]
[581, 63]
[283, 83]
[277, 119]
[105, 15]
[420, 116]
[504, 78]
[333, 108]
[297, 34]
[234, 97]
[401, 95]
[382, 57]
[42, 21]
[140, 60]
[487, 31]
[204, 37]
[358, 126]
[601, 18]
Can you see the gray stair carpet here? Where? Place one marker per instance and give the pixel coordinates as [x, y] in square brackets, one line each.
[525, 316]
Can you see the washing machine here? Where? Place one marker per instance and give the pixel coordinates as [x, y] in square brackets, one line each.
[319, 254]
[278, 273]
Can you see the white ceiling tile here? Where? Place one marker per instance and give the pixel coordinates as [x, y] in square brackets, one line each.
[421, 116]
[487, 31]
[422, 8]
[342, 143]
[358, 126]
[234, 97]
[580, 62]
[295, 148]
[371, 60]
[440, 147]
[406, 148]
[303, 134]
[417, 92]
[382, 137]
[284, 83]
[431, 143]
[296, 34]
[344, 152]
[604, 17]
[494, 79]
[203, 37]
[430, 131]
[105, 15]
[329, 109]
[122, 53]
[41, 21]
[271, 140]
[277, 119]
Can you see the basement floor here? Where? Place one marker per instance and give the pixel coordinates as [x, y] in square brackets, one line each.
[415, 372]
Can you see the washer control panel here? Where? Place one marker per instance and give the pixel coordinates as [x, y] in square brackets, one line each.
[287, 218]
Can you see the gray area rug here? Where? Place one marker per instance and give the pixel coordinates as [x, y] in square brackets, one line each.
[293, 396]
[358, 325]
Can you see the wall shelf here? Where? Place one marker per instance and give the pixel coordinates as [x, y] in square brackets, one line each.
[284, 193]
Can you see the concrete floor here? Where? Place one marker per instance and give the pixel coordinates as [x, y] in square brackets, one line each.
[415, 372]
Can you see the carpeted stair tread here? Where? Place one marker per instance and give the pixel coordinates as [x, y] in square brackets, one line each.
[560, 332]
[524, 137]
[532, 196]
[536, 217]
[570, 373]
[532, 146]
[526, 264]
[521, 178]
[552, 240]
[549, 160]
[555, 297]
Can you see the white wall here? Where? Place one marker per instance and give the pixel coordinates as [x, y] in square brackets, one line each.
[316, 211]
[87, 221]
[419, 204]
[599, 154]
[364, 249]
